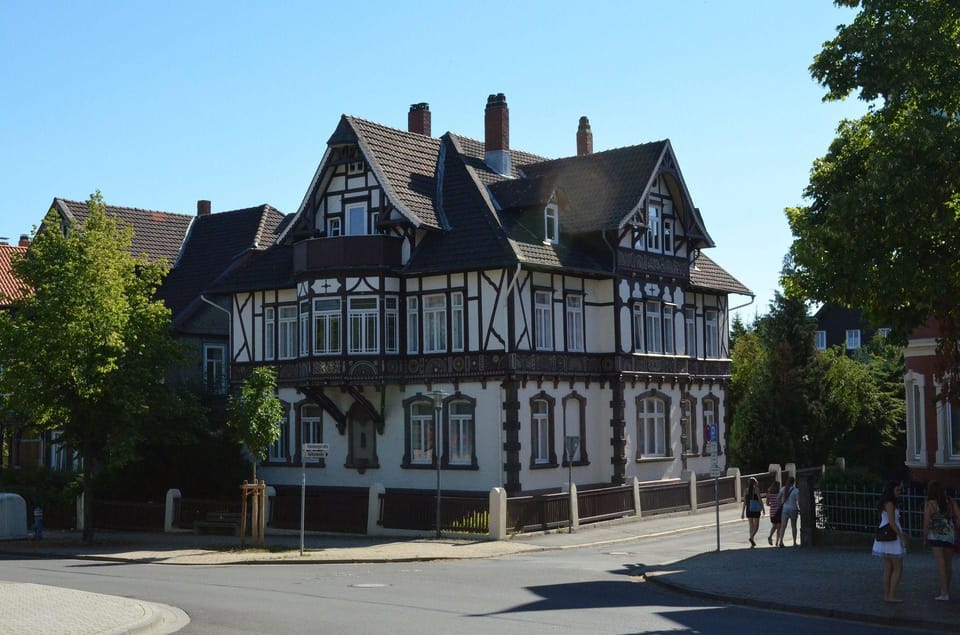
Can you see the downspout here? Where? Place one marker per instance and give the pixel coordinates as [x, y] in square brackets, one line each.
[735, 308]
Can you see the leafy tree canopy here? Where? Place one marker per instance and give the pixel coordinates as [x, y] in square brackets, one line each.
[883, 220]
[84, 350]
[255, 413]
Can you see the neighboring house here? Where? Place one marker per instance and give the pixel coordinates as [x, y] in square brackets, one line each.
[545, 299]
[933, 427]
[840, 326]
[17, 449]
[198, 249]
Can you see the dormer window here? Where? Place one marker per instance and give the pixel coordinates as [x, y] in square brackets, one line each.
[551, 228]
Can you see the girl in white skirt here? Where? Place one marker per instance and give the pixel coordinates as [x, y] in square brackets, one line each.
[891, 551]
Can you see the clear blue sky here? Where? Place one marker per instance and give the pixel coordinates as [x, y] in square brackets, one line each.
[158, 104]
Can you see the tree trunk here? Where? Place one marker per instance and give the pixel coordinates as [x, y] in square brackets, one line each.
[87, 498]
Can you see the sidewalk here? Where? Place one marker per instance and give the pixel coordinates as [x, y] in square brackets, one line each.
[842, 583]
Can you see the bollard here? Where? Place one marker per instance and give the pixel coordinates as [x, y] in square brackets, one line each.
[37, 523]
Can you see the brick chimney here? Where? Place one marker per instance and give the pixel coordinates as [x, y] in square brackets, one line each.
[418, 119]
[496, 128]
[203, 208]
[24, 241]
[584, 138]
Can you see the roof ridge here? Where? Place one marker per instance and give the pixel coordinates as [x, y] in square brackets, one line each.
[587, 157]
[407, 133]
[132, 209]
[478, 142]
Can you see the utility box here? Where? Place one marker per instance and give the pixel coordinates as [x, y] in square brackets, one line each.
[13, 517]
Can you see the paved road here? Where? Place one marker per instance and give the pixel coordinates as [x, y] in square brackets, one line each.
[515, 586]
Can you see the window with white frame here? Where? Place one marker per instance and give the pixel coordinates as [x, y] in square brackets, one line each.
[334, 227]
[363, 325]
[326, 326]
[690, 330]
[951, 414]
[667, 236]
[638, 346]
[422, 418]
[711, 333]
[653, 228]
[574, 323]
[460, 433]
[543, 319]
[62, 458]
[709, 419]
[540, 420]
[853, 339]
[821, 339]
[288, 332]
[413, 325]
[391, 327]
[654, 327]
[356, 214]
[551, 229]
[883, 332]
[651, 427]
[305, 327]
[434, 323]
[668, 331]
[311, 421]
[280, 449]
[456, 321]
[915, 409]
[269, 333]
[214, 377]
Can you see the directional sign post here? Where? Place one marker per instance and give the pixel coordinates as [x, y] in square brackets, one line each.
[712, 444]
[308, 451]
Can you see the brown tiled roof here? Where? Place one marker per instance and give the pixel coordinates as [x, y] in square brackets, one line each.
[10, 288]
[706, 274]
[156, 235]
[601, 189]
[213, 245]
[406, 165]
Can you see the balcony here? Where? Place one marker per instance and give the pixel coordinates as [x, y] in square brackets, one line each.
[341, 252]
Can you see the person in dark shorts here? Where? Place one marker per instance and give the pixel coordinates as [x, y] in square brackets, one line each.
[773, 503]
[752, 509]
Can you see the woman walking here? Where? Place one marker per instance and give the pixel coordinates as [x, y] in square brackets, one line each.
[789, 509]
[773, 502]
[752, 508]
[939, 514]
[891, 542]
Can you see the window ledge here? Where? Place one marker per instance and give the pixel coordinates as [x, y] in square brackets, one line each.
[575, 463]
[419, 466]
[654, 459]
[951, 464]
[542, 466]
[915, 463]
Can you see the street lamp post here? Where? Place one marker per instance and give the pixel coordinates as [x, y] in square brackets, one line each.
[438, 397]
[684, 432]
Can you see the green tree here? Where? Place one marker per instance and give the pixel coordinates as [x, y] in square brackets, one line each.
[255, 413]
[84, 350]
[883, 218]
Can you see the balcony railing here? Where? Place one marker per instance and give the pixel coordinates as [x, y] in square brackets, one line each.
[317, 254]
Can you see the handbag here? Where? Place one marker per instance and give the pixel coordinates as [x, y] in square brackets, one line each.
[885, 534]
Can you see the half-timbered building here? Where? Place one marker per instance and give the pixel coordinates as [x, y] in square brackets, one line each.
[454, 303]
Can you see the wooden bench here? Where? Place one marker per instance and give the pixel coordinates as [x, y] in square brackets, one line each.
[218, 521]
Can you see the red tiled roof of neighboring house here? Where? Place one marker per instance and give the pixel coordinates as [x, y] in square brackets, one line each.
[10, 288]
[156, 235]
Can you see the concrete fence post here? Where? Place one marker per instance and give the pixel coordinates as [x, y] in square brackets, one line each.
[269, 494]
[574, 508]
[692, 481]
[737, 484]
[169, 506]
[842, 463]
[636, 497]
[791, 470]
[497, 522]
[374, 528]
[777, 472]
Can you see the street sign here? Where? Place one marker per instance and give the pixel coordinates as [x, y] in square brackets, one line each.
[714, 466]
[316, 450]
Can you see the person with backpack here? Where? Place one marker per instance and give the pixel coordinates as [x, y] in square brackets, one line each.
[752, 509]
